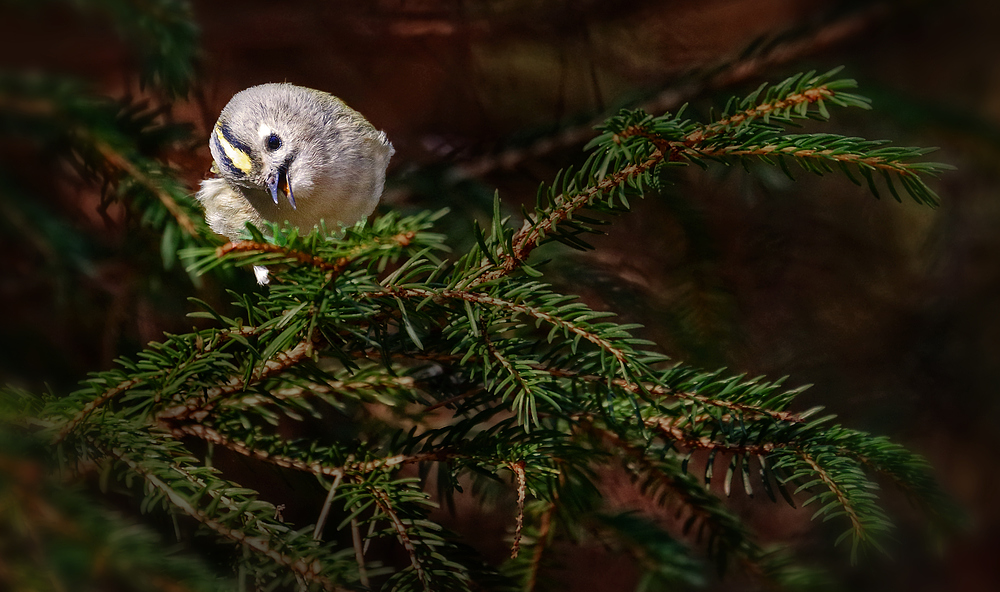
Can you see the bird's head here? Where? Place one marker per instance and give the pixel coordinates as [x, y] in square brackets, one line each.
[269, 137]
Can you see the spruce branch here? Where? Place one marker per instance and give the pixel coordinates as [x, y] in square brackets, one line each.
[538, 313]
[385, 506]
[170, 202]
[471, 367]
[174, 481]
[50, 529]
[162, 34]
[678, 492]
[200, 405]
[669, 429]
[635, 147]
[117, 146]
[532, 232]
[211, 435]
[287, 255]
[309, 573]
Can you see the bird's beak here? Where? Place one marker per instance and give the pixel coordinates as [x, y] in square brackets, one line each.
[280, 180]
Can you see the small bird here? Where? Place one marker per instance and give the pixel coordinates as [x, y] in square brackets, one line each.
[285, 152]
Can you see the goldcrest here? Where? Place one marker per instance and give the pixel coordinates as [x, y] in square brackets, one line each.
[285, 152]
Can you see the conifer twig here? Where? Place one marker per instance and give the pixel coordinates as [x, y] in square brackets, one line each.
[199, 407]
[209, 434]
[874, 162]
[385, 506]
[531, 232]
[129, 384]
[118, 161]
[810, 95]
[308, 572]
[838, 492]
[531, 311]
[668, 428]
[304, 258]
[660, 390]
[93, 404]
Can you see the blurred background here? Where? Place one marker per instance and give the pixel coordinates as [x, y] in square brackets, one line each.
[892, 310]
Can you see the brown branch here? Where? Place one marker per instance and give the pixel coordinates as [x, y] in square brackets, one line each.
[536, 558]
[455, 399]
[402, 239]
[306, 258]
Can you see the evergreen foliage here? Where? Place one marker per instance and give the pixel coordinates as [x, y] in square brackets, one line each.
[397, 375]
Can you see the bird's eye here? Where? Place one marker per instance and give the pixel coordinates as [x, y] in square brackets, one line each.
[273, 142]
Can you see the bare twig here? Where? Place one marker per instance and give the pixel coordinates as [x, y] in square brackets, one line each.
[359, 554]
[325, 512]
[519, 475]
[723, 75]
[544, 529]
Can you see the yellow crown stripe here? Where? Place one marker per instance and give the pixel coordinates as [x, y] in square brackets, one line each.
[239, 158]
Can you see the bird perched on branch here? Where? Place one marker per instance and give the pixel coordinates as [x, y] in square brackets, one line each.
[285, 152]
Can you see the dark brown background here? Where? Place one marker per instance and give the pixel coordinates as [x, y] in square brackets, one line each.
[890, 309]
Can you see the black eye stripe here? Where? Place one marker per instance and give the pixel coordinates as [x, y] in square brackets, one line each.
[273, 142]
[228, 135]
[224, 161]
